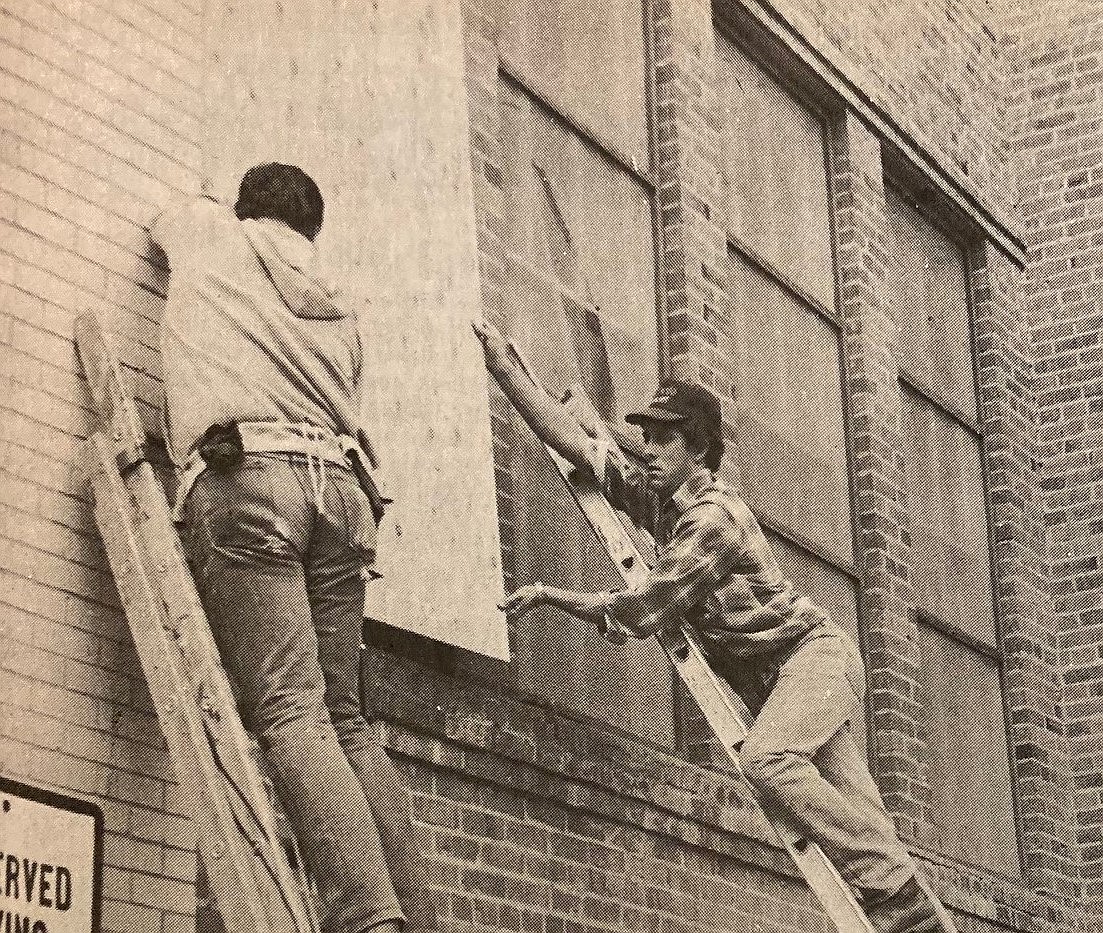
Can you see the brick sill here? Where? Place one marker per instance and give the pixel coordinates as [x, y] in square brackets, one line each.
[490, 734]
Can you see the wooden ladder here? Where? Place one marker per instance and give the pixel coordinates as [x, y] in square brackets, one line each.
[726, 716]
[257, 880]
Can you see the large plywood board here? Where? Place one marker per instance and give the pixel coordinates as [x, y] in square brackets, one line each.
[369, 99]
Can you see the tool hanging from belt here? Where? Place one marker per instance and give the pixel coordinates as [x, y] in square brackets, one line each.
[223, 446]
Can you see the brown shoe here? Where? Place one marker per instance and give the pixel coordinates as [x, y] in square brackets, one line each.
[907, 910]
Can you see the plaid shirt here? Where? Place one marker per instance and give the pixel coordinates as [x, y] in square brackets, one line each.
[713, 568]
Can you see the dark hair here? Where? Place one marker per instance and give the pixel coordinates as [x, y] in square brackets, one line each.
[693, 410]
[281, 192]
[702, 435]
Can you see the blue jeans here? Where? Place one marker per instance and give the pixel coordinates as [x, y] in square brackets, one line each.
[283, 583]
[801, 757]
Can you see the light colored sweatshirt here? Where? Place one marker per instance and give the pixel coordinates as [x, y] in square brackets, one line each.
[251, 331]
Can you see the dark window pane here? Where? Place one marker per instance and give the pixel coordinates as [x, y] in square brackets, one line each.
[790, 432]
[775, 174]
[580, 304]
[928, 287]
[966, 733]
[588, 60]
[948, 519]
[830, 589]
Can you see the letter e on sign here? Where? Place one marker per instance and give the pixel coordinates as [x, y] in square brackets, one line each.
[51, 853]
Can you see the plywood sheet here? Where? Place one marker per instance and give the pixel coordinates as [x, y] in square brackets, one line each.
[775, 174]
[370, 100]
[972, 812]
[948, 519]
[596, 245]
[790, 431]
[588, 60]
[926, 278]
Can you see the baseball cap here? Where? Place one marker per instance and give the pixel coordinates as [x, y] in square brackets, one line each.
[676, 401]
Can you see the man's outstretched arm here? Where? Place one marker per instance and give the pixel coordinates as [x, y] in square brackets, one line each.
[550, 420]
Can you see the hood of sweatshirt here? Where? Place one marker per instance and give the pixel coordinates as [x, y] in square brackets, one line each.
[289, 260]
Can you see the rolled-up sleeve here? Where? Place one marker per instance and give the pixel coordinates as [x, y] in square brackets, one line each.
[705, 546]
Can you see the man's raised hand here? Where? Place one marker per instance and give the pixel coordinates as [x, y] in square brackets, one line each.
[495, 346]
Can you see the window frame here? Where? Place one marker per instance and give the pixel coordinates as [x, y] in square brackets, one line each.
[937, 215]
[746, 252]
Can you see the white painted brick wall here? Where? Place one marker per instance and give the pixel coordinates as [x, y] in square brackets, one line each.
[101, 106]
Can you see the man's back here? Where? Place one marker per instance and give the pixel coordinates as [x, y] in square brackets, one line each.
[233, 348]
[281, 536]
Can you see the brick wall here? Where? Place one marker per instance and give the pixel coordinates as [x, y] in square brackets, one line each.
[1057, 111]
[540, 822]
[544, 826]
[937, 93]
[936, 67]
[100, 104]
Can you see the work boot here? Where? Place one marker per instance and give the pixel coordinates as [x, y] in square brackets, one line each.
[907, 910]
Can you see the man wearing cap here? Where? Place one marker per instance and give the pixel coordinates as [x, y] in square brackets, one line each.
[799, 672]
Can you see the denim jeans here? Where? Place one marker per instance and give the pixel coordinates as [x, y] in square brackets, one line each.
[282, 581]
[801, 757]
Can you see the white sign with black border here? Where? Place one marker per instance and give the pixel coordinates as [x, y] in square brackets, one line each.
[51, 851]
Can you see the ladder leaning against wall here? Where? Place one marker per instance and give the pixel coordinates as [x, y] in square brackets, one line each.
[257, 881]
[726, 716]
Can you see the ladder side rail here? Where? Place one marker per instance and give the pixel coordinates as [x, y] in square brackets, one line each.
[239, 893]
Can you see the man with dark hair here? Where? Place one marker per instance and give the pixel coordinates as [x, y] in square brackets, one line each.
[799, 672]
[284, 193]
[262, 368]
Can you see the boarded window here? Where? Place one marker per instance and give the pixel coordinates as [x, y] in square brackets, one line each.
[580, 295]
[775, 174]
[948, 519]
[929, 289]
[790, 439]
[830, 589]
[581, 249]
[963, 717]
[588, 60]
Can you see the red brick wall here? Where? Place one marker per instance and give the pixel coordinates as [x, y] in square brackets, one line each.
[100, 108]
[1057, 106]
